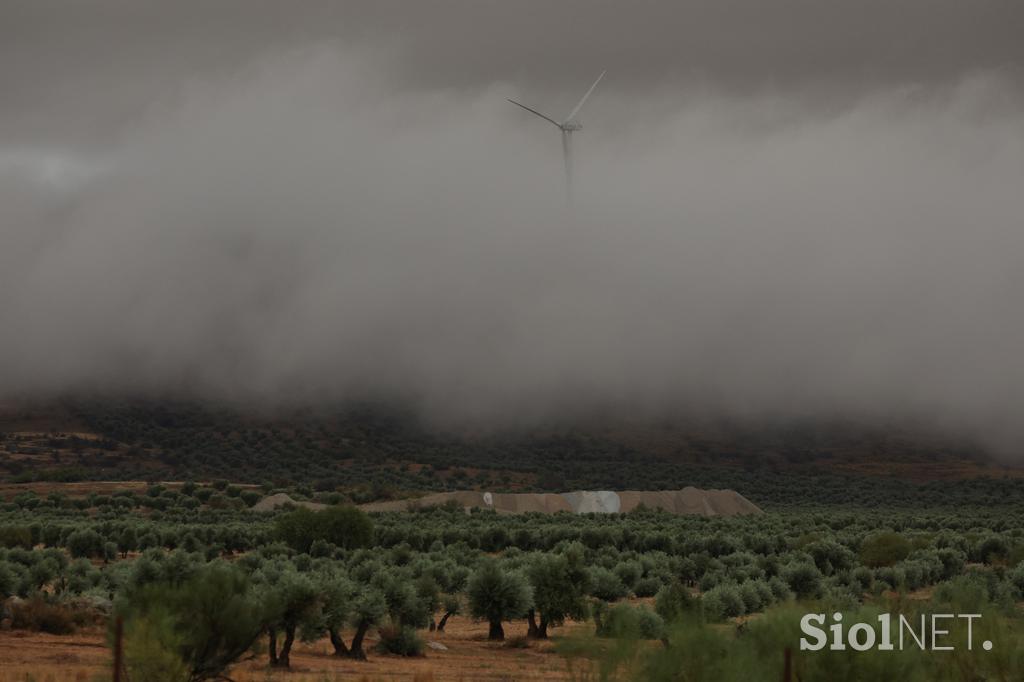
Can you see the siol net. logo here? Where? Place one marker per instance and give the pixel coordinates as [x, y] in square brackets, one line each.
[930, 633]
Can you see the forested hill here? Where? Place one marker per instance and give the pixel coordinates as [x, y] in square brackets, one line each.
[374, 453]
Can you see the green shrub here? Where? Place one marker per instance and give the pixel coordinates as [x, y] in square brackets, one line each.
[400, 641]
[151, 650]
[674, 602]
[16, 536]
[606, 585]
[884, 549]
[8, 579]
[953, 562]
[991, 550]
[803, 578]
[85, 543]
[624, 621]
[345, 527]
[651, 625]
[1015, 576]
[780, 590]
[647, 587]
[208, 621]
[861, 578]
[629, 573]
[723, 601]
[752, 599]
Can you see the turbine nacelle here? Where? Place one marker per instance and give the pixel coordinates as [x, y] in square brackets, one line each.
[568, 126]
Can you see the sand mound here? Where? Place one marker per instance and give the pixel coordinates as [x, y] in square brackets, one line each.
[689, 500]
[272, 502]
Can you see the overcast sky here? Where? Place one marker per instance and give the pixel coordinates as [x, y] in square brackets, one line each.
[77, 69]
[785, 207]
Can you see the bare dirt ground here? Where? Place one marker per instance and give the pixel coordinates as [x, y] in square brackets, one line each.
[84, 657]
[77, 489]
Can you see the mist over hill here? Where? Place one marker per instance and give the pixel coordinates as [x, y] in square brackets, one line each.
[380, 451]
[310, 220]
[311, 336]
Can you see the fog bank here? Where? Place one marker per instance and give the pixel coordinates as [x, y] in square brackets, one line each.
[308, 228]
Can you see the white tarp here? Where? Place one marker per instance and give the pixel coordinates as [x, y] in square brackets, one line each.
[594, 501]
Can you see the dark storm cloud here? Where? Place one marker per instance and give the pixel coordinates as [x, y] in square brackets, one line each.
[91, 67]
[340, 203]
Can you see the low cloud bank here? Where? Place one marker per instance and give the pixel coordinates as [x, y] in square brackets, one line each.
[311, 231]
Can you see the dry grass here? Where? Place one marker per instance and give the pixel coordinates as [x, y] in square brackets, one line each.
[42, 657]
[84, 657]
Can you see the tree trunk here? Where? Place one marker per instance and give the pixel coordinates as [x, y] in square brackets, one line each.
[444, 621]
[272, 646]
[531, 624]
[356, 650]
[542, 630]
[496, 633]
[283, 659]
[339, 644]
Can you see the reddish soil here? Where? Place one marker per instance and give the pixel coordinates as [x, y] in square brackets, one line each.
[470, 657]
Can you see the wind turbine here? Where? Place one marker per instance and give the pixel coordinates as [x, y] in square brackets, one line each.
[568, 127]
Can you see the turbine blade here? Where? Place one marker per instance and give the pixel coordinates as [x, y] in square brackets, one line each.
[533, 111]
[579, 106]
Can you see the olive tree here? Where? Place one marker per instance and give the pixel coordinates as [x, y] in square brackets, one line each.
[560, 583]
[368, 609]
[497, 595]
[290, 599]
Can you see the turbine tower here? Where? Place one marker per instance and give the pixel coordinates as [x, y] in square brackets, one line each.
[568, 127]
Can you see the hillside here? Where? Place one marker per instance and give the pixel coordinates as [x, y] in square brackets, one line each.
[374, 453]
